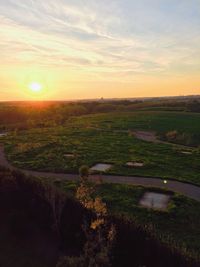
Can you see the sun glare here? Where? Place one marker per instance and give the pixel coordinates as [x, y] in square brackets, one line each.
[35, 87]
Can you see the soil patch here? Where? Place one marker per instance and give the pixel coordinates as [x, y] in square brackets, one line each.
[134, 164]
[155, 200]
[101, 167]
[69, 155]
[146, 136]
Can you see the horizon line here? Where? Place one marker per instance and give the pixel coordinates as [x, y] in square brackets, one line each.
[100, 98]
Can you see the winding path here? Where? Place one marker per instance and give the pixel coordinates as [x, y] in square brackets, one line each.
[189, 190]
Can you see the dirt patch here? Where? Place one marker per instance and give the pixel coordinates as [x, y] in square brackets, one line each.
[134, 164]
[3, 134]
[155, 200]
[101, 167]
[152, 137]
[186, 152]
[146, 136]
[69, 155]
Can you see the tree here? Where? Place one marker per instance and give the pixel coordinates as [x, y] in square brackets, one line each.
[99, 232]
[84, 172]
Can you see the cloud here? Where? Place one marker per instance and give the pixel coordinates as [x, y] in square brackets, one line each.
[109, 36]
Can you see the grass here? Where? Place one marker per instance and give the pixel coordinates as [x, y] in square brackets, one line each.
[158, 121]
[106, 138]
[179, 224]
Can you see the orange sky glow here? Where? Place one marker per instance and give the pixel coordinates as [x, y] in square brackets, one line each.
[92, 49]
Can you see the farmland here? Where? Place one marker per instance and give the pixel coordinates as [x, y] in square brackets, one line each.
[109, 138]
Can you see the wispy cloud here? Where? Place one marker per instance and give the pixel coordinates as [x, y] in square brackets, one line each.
[157, 37]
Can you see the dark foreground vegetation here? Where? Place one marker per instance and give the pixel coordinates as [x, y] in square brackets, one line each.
[39, 224]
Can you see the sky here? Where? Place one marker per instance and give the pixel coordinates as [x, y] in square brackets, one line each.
[80, 49]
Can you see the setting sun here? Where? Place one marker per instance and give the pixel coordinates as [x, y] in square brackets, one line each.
[35, 87]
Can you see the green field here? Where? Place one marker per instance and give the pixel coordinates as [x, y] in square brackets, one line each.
[147, 120]
[178, 225]
[107, 138]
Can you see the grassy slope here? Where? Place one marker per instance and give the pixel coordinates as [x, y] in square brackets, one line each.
[179, 223]
[93, 146]
[159, 121]
[94, 139]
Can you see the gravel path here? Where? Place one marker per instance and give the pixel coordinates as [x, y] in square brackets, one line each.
[189, 190]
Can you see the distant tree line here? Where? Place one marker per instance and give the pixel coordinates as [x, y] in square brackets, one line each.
[44, 114]
[193, 106]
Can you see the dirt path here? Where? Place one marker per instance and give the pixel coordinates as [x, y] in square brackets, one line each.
[147, 136]
[150, 136]
[189, 190]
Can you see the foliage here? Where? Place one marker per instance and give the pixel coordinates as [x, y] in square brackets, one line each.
[122, 200]
[106, 138]
[26, 115]
[193, 106]
[182, 138]
[71, 261]
[84, 172]
[99, 232]
[135, 242]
